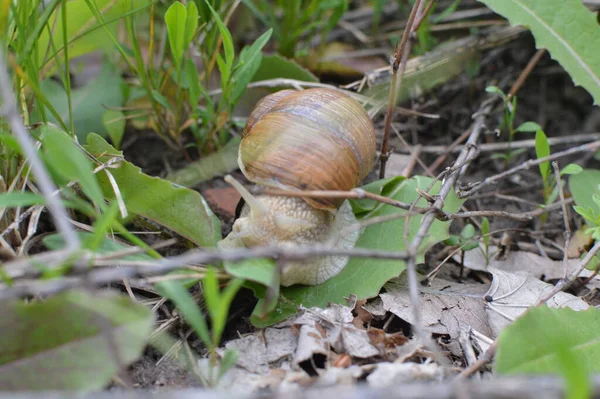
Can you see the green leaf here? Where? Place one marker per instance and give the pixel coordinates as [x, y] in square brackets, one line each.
[74, 167]
[571, 169]
[15, 199]
[89, 102]
[195, 87]
[485, 231]
[209, 166]
[176, 291]
[262, 277]
[536, 343]
[495, 90]
[228, 360]
[225, 36]
[105, 247]
[248, 64]
[529, 127]
[177, 208]
[82, 29]
[191, 24]
[77, 340]
[114, 123]
[468, 232]
[542, 150]
[176, 19]
[275, 66]
[365, 277]
[583, 186]
[567, 29]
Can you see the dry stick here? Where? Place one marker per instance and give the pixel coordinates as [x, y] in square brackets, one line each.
[526, 165]
[567, 232]
[562, 285]
[357, 193]
[429, 218]
[436, 164]
[393, 86]
[140, 269]
[47, 188]
[525, 73]
[521, 217]
[493, 147]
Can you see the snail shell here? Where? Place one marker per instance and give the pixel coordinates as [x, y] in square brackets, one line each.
[316, 139]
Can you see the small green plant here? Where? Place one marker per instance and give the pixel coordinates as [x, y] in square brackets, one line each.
[466, 242]
[485, 234]
[550, 185]
[217, 303]
[508, 127]
[296, 21]
[591, 216]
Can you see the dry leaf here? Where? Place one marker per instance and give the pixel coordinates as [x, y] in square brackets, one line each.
[513, 293]
[444, 309]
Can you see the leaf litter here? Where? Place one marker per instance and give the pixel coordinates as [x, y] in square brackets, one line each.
[341, 345]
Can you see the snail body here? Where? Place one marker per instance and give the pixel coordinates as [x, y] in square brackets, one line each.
[316, 139]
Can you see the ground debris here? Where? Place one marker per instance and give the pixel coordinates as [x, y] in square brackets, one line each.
[536, 265]
[318, 347]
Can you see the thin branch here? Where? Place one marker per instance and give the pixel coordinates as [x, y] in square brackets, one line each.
[400, 56]
[47, 187]
[428, 218]
[493, 147]
[525, 72]
[24, 267]
[526, 165]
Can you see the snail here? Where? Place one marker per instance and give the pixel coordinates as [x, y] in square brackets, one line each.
[314, 139]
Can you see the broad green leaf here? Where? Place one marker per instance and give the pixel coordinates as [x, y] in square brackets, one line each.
[528, 127]
[583, 186]
[106, 246]
[20, 198]
[536, 342]
[361, 276]
[177, 208]
[77, 340]
[175, 19]
[275, 66]
[542, 150]
[114, 123]
[89, 102]
[82, 30]
[567, 29]
[67, 161]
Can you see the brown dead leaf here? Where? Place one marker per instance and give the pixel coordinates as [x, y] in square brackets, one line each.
[363, 317]
[579, 243]
[445, 306]
[383, 341]
[225, 199]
